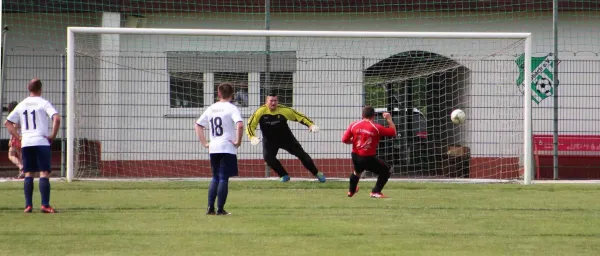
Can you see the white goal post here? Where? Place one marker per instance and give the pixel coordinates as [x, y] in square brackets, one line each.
[71, 81]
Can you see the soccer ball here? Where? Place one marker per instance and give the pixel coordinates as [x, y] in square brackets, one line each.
[544, 86]
[458, 116]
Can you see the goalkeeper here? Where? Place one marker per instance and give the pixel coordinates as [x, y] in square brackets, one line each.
[276, 133]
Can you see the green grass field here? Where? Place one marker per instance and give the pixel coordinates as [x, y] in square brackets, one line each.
[303, 218]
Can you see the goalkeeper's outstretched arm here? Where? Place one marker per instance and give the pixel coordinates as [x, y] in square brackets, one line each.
[253, 123]
[294, 115]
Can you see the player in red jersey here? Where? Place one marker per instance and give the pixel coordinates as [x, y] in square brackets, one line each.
[364, 135]
[14, 146]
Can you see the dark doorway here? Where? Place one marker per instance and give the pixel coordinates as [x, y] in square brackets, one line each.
[420, 89]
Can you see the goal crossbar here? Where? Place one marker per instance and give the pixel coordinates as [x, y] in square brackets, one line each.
[71, 31]
[292, 33]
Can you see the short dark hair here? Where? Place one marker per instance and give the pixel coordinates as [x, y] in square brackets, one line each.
[272, 94]
[226, 90]
[12, 105]
[35, 85]
[368, 112]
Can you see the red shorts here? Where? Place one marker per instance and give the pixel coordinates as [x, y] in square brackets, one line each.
[15, 143]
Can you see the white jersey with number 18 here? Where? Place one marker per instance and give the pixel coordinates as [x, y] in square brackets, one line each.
[221, 119]
[33, 115]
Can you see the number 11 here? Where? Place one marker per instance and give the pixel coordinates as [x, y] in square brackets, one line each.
[27, 120]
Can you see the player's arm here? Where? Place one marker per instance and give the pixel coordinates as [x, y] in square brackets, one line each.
[12, 129]
[11, 123]
[53, 114]
[237, 119]
[55, 126]
[389, 131]
[199, 128]
[293, 115]
[253, 123]
[200, 133]
[347, 137]
[239, 133]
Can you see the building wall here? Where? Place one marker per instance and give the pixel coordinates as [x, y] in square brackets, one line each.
[133, 120]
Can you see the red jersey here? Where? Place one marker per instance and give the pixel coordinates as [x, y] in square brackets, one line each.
[365, 135]
[15, 143]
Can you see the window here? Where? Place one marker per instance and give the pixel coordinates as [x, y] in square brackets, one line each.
[186, 89]
[280, 83]
[187, 70]
[240, 86]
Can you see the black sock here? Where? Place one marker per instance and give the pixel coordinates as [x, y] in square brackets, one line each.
[223, 190]
[381, 181]
[353, 183]
[28, 189]
[45, 191]
[212, 193]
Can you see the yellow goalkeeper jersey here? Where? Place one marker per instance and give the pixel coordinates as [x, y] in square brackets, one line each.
[273, 124]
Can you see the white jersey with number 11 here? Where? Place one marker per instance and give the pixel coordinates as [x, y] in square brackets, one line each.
[221, 119]
[33, 115]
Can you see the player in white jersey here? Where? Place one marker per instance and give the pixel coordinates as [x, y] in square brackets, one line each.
[225, 125]
[32, 115]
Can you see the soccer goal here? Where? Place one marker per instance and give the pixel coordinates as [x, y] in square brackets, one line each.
[133, 95]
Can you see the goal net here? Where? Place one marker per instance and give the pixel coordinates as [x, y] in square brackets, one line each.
[134, 96]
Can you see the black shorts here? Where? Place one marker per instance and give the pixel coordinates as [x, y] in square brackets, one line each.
[224, 165]
[370, 163]
[36, 158]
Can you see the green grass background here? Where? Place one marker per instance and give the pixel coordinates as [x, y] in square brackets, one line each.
[304, 218]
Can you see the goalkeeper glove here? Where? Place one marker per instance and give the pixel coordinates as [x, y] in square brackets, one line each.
[254, 141]
[313, 128]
